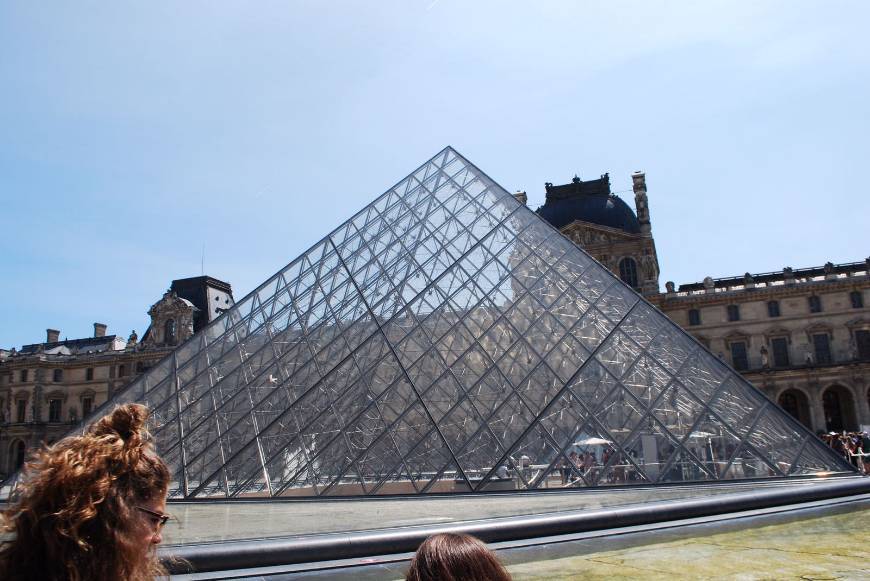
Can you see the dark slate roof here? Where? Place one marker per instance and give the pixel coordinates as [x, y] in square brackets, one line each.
[200, 281]
[847, 268]
[74, 345]
[589, 201]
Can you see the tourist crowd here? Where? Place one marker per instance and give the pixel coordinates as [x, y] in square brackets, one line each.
[853, 446]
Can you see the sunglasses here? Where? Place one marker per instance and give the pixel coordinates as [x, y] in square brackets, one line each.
[162, 518]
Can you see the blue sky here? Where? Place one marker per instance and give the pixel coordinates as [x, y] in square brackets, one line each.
[135, 135]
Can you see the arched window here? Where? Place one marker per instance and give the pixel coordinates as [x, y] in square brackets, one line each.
[628, 271]
[169, 335]
[839, 409]
[797, 405]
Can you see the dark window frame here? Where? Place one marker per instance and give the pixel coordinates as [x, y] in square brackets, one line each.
[694, 317]
[21, 410]
[740, 358]
[628, 271]
[55, 409]
[822, 348]
[170, 332]
[773, 309]
[89, 374]
[779, 350]
[19, 451]
[87, 405]
[733, 313]
[815, 303]
[57, 375]
[862, 344]
[856, 299]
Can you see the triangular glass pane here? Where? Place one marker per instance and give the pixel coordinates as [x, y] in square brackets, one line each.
[747, 463]
[813, 460]
[777, 436]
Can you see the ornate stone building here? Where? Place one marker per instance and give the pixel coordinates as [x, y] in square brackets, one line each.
[45, 388]
[801, 335]
[599, 221]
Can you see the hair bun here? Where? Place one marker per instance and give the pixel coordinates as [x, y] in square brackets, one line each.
[126, 421]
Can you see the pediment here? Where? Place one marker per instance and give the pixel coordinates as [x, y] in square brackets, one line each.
[736, 335]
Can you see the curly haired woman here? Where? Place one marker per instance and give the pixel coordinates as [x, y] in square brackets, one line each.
[90, 506]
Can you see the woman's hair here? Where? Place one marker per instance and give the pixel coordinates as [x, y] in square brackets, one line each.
[75, 517]
[455, 557]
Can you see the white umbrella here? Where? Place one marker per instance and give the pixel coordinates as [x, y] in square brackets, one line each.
[701, 435]
[593, 441]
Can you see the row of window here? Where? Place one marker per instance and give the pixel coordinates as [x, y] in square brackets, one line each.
[55, 405]
[57, 374]
[779, 351]
[814, 302]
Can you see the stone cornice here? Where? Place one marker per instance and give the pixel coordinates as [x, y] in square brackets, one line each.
[758, 376]
[42, 360]
[677, 300]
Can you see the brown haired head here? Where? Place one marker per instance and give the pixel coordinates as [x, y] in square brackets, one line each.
[455, 557]
[76, 516]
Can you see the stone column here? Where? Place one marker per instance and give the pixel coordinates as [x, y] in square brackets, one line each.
[817, 408]
[862, 407]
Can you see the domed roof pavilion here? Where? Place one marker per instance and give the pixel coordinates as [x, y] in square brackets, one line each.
[589, 201]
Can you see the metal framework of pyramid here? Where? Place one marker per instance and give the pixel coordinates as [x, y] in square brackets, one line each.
[447, 339]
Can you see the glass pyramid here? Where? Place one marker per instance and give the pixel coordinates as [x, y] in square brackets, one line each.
[447, 339]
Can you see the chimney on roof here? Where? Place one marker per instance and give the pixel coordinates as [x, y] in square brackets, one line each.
[99, 330]
[52, 335]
